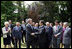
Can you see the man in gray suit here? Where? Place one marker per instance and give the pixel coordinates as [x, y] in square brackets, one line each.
[67, 36]
[57, 30]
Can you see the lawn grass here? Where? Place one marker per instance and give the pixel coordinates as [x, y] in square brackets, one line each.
[23, 45]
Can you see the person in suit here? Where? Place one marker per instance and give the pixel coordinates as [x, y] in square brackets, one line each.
[6, 35]
[11, 26]
[36, 31]
[67, 35]
[1, 32]
[17, 34]
[49, 32]
[30, 36]
[57, 31]
[42, 35]
[51, 44]
[51, 24]
[33, 24]
[61, 24]
[24, 31]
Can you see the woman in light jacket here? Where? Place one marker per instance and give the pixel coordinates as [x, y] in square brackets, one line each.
[6, 35]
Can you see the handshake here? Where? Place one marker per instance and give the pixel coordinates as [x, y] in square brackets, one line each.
[33, 34]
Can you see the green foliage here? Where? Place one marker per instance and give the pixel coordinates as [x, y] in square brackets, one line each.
[49, 11]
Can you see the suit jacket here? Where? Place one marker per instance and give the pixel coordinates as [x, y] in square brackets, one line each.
[23, 26]
[49, 32]
[17, 32]
[42, 34]
[11, 26]
[58, 31]
[29, 30]
[5, 33]
[67, 36]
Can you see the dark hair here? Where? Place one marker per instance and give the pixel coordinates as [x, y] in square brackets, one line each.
[42, 21]
[56, 21]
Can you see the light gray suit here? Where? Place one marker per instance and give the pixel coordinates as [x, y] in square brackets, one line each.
[67, 37]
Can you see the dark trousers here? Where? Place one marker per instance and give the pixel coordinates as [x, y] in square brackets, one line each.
[24, 35]
[48, 43]
[16, 41]
[42, 45]
[66, 46]
[56, 42]
[12, 40]
[30, 44]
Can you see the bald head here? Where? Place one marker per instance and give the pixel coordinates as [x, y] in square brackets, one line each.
[65, 24]
[47, 24]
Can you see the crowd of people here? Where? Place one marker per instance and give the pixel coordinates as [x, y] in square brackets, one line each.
[37, 35]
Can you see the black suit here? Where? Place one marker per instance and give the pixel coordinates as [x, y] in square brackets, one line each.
[42, 37]
[49, 32]
[23, 34]
[37, 36]
[11, 26]
[30, 40]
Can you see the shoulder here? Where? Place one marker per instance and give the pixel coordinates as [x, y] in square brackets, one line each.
[14, 27]
[69, 28]
[50, 27]
[60, 26]
[53, 26]
[45, 26]
[3, 28]
[27, 25]
[9, 28]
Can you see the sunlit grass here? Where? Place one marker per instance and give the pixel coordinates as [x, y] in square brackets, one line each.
[23, 45]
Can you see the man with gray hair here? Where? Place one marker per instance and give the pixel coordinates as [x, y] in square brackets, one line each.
[67, 35]
[17, 34]
[30, 34]
[49, 32]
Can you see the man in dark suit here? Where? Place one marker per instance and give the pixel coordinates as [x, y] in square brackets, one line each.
[30, 37]
[42, 35]
[11, 26]
[67, 36]
[24, 31]
[49, 32]
[17, 34]
[36, 34]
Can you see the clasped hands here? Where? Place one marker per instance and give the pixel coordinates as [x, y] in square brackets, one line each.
[32, 33]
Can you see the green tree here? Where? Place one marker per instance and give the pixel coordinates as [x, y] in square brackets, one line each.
[7, 8]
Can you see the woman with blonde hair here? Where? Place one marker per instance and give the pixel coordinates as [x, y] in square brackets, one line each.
[6, 35]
